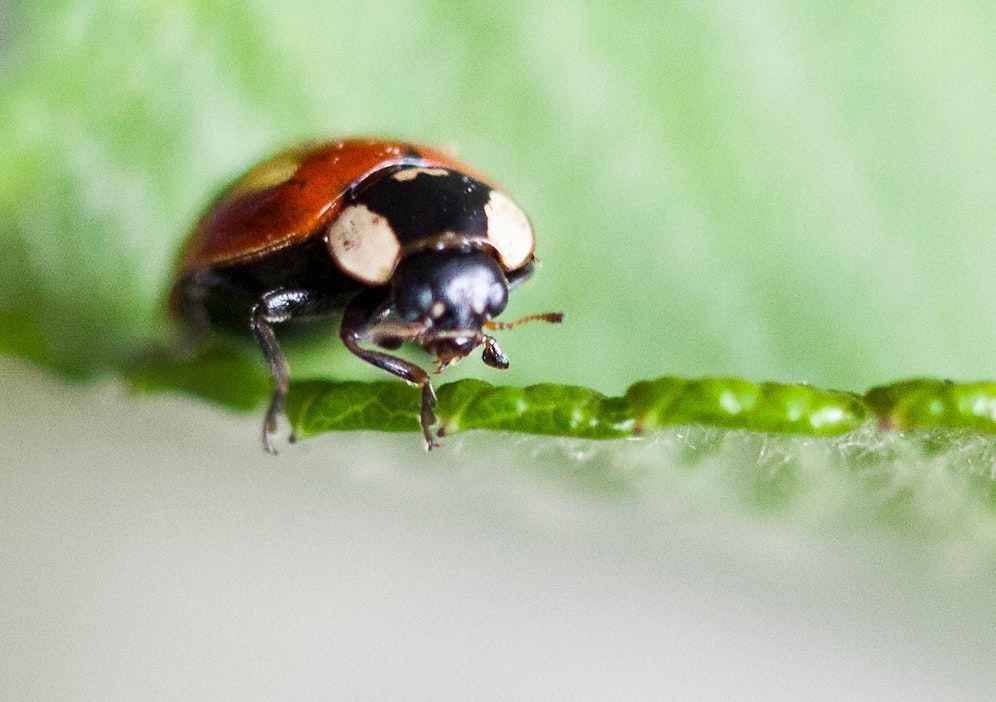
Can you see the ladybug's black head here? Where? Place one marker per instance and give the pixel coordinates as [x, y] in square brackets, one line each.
[452, 294]
[444, 241]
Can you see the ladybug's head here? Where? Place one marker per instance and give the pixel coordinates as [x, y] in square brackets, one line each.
[444, 241]
[452, 295]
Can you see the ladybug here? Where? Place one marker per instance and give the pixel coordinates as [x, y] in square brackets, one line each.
[401, 240]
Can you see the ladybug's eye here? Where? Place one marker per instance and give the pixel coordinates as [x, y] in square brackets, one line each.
[497, 299]
[412, 300]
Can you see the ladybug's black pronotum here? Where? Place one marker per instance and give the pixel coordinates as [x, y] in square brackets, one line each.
[404, 241]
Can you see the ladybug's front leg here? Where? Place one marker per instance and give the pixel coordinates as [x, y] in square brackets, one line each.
[358, 321]
[275, 307]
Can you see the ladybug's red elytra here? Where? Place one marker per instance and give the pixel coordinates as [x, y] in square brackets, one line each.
[404, 241]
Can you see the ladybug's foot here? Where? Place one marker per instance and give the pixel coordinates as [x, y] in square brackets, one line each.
[427, 416]
[270, 420]
[430, 441]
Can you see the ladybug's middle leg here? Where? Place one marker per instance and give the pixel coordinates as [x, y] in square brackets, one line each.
[273, 308]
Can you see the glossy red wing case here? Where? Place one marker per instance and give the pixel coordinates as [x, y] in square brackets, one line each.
[289, 197]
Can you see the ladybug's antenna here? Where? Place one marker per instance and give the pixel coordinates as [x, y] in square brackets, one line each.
[551, 317]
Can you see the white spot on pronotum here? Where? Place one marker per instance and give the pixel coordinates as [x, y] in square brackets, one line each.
[509, 231]
[364, 245]
[406, 174]
[438, 309]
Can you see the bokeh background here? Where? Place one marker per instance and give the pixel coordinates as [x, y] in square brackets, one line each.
[781, 191]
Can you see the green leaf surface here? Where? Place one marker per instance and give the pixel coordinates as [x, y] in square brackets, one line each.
[925, 403]
[561, 410]
[315, 407]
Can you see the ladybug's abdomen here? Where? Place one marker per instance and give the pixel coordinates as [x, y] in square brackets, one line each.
[224, 296]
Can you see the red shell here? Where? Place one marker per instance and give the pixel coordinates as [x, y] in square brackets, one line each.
[247, 221]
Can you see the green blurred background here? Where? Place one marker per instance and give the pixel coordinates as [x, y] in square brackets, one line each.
[782, 191]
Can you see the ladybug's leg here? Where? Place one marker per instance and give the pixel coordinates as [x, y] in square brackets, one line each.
[358, 320]
[273, 308]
